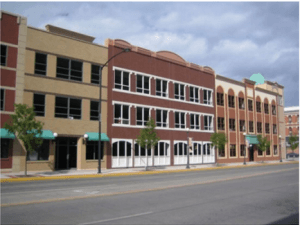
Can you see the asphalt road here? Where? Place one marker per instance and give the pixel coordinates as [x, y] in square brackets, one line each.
[257, 195]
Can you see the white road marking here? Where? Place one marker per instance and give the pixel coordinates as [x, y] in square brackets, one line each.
[117, 218]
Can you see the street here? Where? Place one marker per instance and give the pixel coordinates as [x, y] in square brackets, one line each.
[252, 195]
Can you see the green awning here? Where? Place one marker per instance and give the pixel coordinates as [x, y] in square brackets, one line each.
[46, 134]
[93, 136]
[4, 133]
[252, 139]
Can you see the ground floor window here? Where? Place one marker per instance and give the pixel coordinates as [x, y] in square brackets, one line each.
[268, 151]
[180, 149]
[275, 150]
[92, 150]
[243, 150]
[232, 151]
[222, 152]
[259, 152]
[40, 153]
[139, 151]
[4, 148]
[122, 148]
[161, 149]
[197, 149]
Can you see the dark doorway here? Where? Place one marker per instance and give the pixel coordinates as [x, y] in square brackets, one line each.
[66, 153]
[251, 153]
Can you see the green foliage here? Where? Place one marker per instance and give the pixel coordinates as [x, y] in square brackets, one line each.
[294, 142]
[218, 140]
[263, 144]
[25, 127]
[148, 137]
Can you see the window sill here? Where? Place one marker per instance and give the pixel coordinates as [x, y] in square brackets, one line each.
[94, 160]
[38, 161]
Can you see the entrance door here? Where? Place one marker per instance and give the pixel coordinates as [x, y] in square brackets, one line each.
[66, 153]
[251, 153]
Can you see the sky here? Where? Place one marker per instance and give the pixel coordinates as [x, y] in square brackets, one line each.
[236, 39]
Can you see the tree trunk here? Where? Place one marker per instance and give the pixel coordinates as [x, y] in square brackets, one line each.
[25, 163]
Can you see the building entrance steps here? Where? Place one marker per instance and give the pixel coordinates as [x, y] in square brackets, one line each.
[76, 174]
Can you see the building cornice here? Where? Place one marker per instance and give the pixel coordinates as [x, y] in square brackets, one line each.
[267, 91]
[219, 77]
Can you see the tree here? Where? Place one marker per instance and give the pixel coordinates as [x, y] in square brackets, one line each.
[25, 128]
[218, 140]
[263, 144]
[294, 142]
[148, 138]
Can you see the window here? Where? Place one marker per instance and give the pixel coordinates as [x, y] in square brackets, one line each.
[259, 152]
[266, 108]
[259, 127]
[208, 123]
[68, 108]
[243, 150]
[94, 110]
[280, 100]
[250, 106]
[241, 103]
[268, 152]
[273, 110]
[122, 80]
[231, 101]
[142, 116]
[161, 88]
[242, 125]
[232, 151]
[274, 129]
[222, 152]
[39, 104]
[161, 118]
[232, 124]
[142, 84]
[3, 55]
[195, 121]
[179, 120]
[95, 74]
[251, 128]
[4, 148]
[290, 119]
[161, 149]
[221, 125]
[69, 69]
[258, 107]
[220, 99]
[121, 114]
[139, 151]
[40, 64]
[2, 100]
[207, 97]
[267, 126]
[275, 150]
[40, 153]
[290, 131]
[92, 150]
[179, 91]
[121, 148]
[194, 94]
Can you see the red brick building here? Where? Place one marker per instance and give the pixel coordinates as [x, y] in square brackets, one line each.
[291, 124]
[176, 94]
[13, 42]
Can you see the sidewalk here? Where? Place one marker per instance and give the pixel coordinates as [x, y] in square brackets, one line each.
[73, 173]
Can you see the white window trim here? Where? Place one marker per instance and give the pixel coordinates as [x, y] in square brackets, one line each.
[210, 100]
[121, 124]
[161, 82]
[143, 119]
[184, 91]
[143, 84]
[117, 140]
[185, 113]
[195, 121]
[194, 91]
[167, 120]
[122, 85]
[211, 127]
[168, 150]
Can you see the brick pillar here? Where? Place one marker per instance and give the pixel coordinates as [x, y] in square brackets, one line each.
[132, 82]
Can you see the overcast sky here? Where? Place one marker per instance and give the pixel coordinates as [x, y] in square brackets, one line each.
[235, 39]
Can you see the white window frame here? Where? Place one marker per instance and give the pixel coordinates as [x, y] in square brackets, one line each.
[179, 96]
[161, 93]
[143, 85]
[194, 99]
[122, 80]
[210, 123]
[162, 122]
[121, 119]
[195, 115]
[143, 119]
[207, 101]
[180, 122]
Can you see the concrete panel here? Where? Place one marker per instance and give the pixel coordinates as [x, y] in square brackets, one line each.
[30, 58]
[51, 65]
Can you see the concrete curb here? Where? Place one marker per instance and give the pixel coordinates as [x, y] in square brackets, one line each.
[68, 177]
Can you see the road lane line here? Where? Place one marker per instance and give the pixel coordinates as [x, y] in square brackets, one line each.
[117, 218]
[144, 190]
